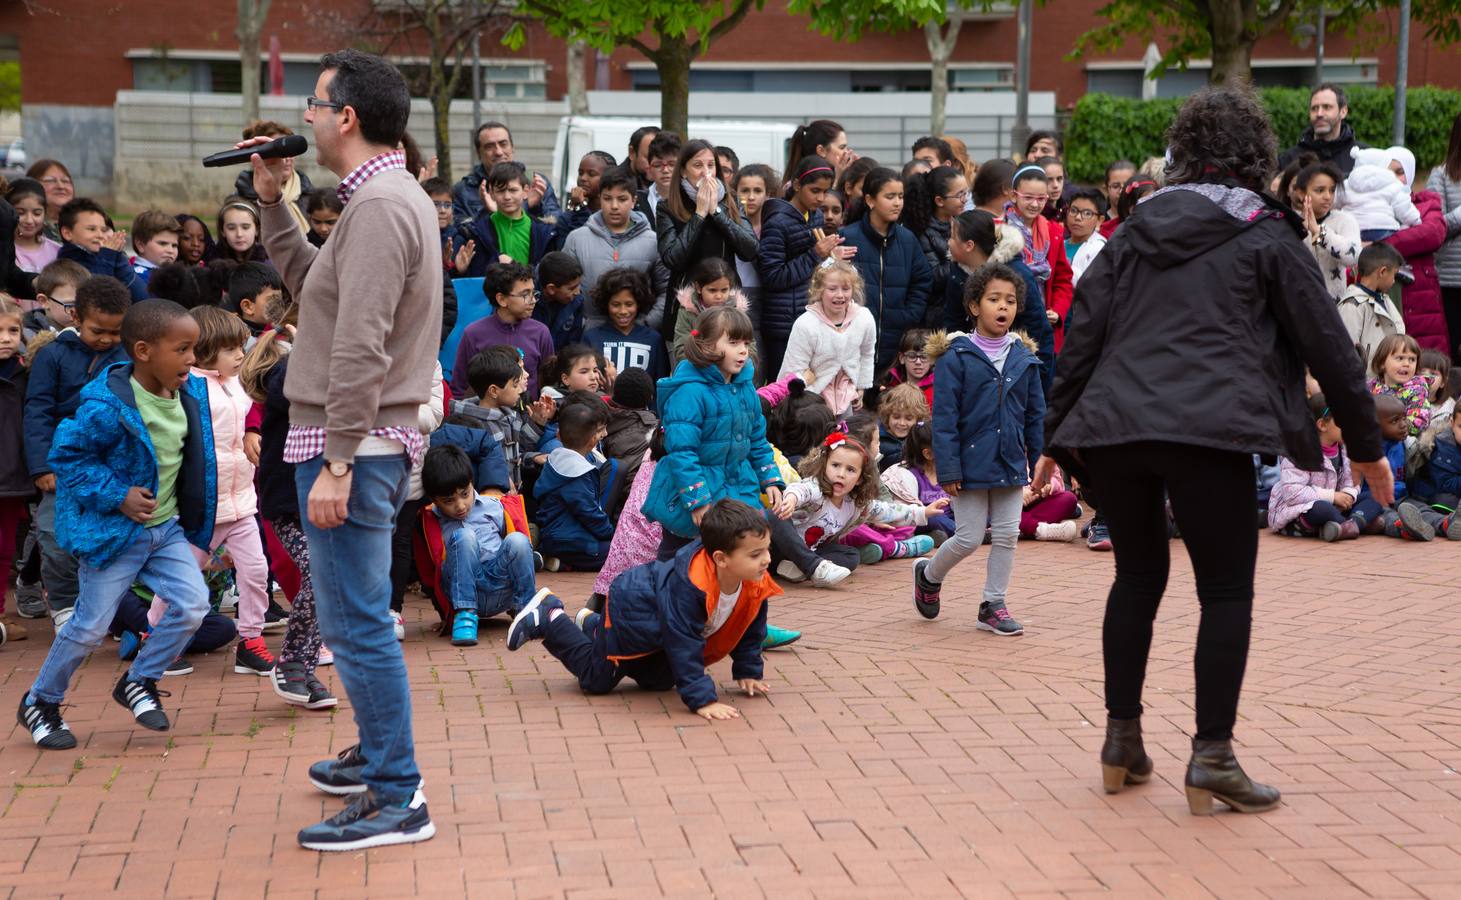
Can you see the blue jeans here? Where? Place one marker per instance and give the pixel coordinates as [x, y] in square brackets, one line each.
[162, 559]
[505, 583]
[350, 568]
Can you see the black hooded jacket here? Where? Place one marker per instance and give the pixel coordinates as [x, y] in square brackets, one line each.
[1193, 326]
[1335, 151]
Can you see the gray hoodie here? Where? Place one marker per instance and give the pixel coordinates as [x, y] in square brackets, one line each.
[599, 250]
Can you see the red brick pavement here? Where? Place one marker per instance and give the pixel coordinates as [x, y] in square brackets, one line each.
[896, 757]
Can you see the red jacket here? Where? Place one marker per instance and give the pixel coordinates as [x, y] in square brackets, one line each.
[1420, 303]
[1060, 290]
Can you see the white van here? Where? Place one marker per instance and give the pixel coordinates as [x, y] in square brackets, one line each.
[754, 142]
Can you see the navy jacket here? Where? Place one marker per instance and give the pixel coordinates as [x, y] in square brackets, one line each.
[987, 424]
[107, 261]
[896, 280]
[663, 607]
[277, 496]
[785, 262]
[15, 480]
[106, 450]
[489, 463]
[568, 221]
[1442, 475]
[482, 231]
[1031, 319]
[571, 516]
[641, 348]
[564, 320]
[57, 374]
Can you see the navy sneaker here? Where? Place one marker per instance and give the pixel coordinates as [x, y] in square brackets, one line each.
[341, 776]
[368, 822]
[1098, 536]
[141, 698]
[529, 624]
[43, 721]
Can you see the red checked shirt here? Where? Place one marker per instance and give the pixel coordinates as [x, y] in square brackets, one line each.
[305, 442]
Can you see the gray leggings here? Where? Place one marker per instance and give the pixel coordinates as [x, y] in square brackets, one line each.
[972, 509]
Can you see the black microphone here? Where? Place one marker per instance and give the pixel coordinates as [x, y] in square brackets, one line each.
[279, 148]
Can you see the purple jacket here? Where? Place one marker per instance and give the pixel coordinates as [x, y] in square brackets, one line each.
[529, 336]
[1297, 490]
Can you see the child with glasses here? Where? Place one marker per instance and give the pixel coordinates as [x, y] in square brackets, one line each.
[510, 288]
[56, 299]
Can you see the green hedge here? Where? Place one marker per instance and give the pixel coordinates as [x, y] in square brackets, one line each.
[1105, 128]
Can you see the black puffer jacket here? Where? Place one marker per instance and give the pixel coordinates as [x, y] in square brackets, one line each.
[785, 264]
[684, 244]
[1193, 325]
[15, 480]
[935, 243]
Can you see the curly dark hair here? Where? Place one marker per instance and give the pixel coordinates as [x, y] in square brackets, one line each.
[1222, 134]
[615, 281]
[981, 278]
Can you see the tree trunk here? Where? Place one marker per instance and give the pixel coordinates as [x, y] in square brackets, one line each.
[940, 48]
[1232, 44]
[439, 90]
[577, 85]
[672, 61]
[251, 16]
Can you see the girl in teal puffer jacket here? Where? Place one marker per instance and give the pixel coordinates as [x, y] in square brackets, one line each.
[714, 433]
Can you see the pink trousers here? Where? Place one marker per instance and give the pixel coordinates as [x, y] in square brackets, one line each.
[241, 539]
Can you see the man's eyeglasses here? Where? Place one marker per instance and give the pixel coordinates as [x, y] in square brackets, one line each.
[314, 103]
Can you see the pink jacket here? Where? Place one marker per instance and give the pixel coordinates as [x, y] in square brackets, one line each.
[1297, 490]
[229, 408]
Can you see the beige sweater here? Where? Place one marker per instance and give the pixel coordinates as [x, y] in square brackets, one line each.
[369, 311]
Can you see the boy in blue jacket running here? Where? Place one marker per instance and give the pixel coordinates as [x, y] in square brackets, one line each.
[665, 622]
[136, 484]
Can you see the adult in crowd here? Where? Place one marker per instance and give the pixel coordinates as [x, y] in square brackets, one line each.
[638, 160]
[1420, 301]
[1328, 136]
[1332, 234]
[1215, 273]
[698, 219]
[933, 150]
[60, 190]
[369, 321]
[1445, 183]
[296, 184]
[492, 142]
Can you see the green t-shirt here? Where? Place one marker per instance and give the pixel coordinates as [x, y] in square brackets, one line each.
[514, 236]
[167, 424]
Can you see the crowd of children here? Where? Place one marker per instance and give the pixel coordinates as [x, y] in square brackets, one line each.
[693, 378]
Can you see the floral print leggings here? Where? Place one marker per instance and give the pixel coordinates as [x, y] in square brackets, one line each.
[302, 639]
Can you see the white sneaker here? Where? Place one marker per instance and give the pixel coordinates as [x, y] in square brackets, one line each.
[326, 657]
[789, 571]
[60, 617]
[229, 598]
[1057, 531]
[829, 574]
[398, 622]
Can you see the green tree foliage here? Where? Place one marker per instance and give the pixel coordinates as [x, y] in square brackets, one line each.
[1225, 31]
[669, 33]
[1105, 128]
[10, 86]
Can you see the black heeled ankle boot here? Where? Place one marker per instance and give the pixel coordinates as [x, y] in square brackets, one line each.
[1213, 772]
[1123, 757]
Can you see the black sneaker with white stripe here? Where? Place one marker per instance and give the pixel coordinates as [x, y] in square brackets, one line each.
[45, 724]
[142, 698]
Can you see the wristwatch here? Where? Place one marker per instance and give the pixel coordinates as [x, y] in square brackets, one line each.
[1321, 237]
[337, 468]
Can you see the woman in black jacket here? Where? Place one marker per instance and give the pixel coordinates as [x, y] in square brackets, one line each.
[698, 219]
[1184, 356]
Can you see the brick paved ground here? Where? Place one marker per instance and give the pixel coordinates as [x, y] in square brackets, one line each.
[896, 757]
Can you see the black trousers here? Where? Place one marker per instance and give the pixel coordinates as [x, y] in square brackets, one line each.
[1213, 495]
[403, 562]
[1451, 305]
[586, 658]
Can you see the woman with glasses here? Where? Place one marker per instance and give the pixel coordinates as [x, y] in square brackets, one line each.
[930, 202]
[60, 190]
[1083, 240]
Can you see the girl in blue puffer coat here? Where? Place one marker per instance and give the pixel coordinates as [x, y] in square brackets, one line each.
[714, 433]
[988, 412]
